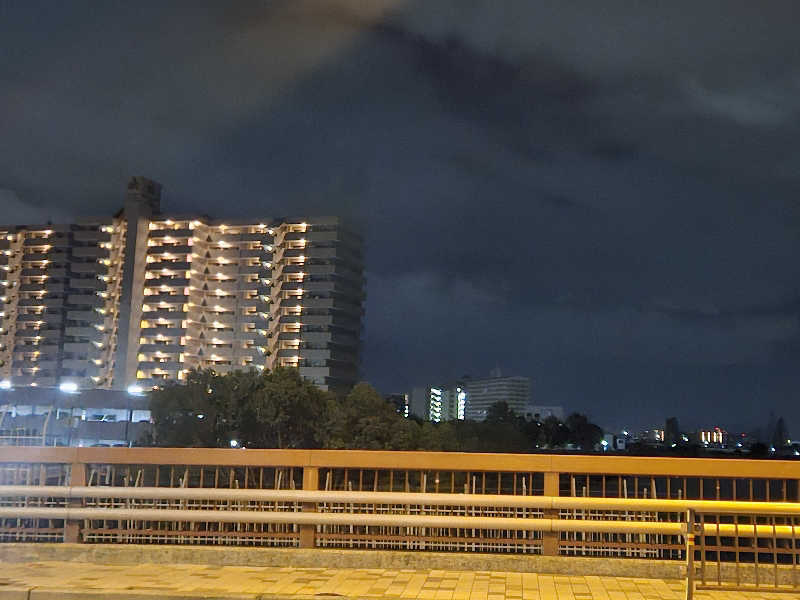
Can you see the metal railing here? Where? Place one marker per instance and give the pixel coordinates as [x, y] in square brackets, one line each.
[742, 513]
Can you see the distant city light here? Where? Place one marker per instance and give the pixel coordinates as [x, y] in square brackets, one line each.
[5, 384]
[135, 390]
[68, 387]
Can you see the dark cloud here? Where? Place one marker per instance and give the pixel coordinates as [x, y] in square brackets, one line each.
[601, 197]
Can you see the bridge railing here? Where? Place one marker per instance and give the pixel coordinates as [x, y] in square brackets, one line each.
[492, 526]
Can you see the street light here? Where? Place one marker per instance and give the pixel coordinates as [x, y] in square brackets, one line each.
[133, 390]
[68, 387]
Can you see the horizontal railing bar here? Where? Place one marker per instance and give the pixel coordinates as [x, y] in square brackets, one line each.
[393, 520]
[311, 518]
[411, 461]
[404, 498]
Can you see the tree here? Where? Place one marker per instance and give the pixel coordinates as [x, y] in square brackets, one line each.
[780, 435]
[500, 412]
[365, 420]
[554, 434]
[276, 409]
[582, 433]
[193, 414]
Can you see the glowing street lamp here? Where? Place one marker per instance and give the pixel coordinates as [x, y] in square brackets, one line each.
[68, 387]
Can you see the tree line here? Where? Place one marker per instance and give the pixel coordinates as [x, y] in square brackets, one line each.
[279, 409]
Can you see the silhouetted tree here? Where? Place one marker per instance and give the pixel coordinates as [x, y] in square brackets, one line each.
[581, 432]
[780, 435]
[275, 409]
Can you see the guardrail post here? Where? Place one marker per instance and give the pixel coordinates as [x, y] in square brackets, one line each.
[308, 533]
[550, 538]
[690, 545]
[72, 529]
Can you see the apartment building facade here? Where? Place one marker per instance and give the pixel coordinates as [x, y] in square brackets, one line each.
[483, 392]
[139, 298]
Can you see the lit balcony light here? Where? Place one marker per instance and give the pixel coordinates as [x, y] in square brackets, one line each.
[68, 387]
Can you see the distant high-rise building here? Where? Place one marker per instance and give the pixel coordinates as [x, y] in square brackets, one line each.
[541, 413]
[482, 393]
[142, 297]
[444, 402]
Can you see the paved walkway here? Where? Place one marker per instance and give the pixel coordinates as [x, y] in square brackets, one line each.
[70, 580]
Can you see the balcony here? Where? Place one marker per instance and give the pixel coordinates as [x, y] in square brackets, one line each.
[154, 332]
[177, 234]
[163, 348]
[164, 313]
[169, 366]
[91, 235]
[37, 272]
[180, 250]
[176, 267]
[85, 300]
[90, 252]
[88, 317]
[87, 284]
[93, 268]
[166, 282]
[81, 348]
[90, 333]
[35, 318]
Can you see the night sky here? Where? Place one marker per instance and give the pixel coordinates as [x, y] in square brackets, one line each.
[603, 196]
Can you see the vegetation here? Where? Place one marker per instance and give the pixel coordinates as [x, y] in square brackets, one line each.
[278, 409]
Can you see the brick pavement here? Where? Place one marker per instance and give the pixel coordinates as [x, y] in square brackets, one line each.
[76, 581]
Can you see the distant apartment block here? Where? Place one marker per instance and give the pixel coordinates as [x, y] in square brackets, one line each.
[141, 297]
[483, 393]
[441, 402]
[540, 413]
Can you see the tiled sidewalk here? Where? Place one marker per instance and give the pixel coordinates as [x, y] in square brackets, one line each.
[50, 580]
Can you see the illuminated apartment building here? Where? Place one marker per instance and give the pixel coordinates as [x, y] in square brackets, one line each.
[144, 297]
[439, 403]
